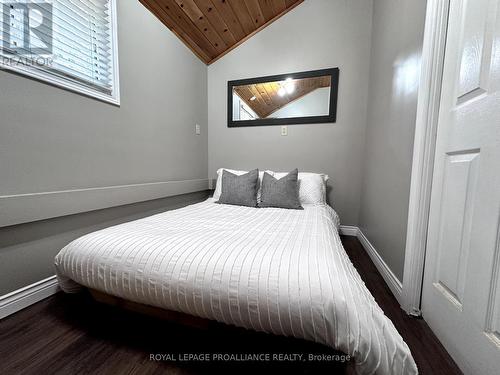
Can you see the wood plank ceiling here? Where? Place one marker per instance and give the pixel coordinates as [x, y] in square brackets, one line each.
[212, 28]
[264, 98]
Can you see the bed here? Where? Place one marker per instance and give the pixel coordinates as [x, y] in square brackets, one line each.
[275, 270]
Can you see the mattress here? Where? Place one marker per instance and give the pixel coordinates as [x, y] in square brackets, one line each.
[268, 269]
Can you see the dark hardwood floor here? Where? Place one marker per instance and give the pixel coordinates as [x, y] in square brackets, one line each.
[431, 357]
[72, 334]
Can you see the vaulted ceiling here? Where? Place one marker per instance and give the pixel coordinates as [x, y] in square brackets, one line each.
[212, 28]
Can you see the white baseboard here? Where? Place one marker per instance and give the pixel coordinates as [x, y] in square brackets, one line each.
[390, 278]
[349, 230]
[24, 297]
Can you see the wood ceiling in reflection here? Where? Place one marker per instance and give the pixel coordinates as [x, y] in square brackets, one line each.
[264, 98]
[212, 28]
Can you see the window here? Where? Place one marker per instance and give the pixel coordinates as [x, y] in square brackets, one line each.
[68, 43]
[246, 113]
[242, 110]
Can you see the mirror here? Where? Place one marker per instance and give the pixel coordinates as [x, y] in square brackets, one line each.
[295, 98]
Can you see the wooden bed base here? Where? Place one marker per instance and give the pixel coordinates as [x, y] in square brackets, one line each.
[175, 317]
[156, 312]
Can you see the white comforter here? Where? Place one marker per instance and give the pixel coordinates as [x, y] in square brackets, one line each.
[273, 270]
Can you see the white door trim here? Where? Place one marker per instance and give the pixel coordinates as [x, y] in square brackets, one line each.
[436, 24]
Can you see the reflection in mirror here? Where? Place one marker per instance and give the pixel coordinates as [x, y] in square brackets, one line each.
[287, 98]
[284, 99]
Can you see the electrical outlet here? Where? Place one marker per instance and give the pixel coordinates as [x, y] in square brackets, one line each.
[284, 130]
[197, 129]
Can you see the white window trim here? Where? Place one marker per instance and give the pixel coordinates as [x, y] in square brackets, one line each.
[45, 77]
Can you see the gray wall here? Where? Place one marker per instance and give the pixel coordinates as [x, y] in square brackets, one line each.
[317, 34]
[395, 65]
[27, 251]
[52, 140]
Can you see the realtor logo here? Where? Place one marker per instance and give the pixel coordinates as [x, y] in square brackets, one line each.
[27, 28]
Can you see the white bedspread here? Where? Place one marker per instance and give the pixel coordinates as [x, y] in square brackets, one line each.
[273, 270]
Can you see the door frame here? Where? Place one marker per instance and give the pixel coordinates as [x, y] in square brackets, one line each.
[424, 147]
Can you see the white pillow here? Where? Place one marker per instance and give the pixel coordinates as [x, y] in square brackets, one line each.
[218, 187]
[312, 187]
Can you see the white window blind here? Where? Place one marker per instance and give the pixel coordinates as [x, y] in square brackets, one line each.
[71, 43]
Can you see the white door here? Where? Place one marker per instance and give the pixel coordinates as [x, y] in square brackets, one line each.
[461, 291]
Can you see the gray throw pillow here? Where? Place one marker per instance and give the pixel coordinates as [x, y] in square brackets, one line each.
[239, 190]
[282, 193]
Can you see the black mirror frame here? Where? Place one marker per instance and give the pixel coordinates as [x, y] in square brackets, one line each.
[331, 117]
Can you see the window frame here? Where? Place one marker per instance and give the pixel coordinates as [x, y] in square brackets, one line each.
[53, 80]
